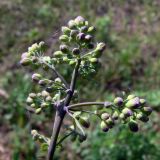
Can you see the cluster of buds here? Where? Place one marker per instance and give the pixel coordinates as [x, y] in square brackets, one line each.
[128, 111]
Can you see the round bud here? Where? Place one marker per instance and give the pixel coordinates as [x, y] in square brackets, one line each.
[91, 29]
[105, 116]
[72, 24]
[110, 122]
[133, 103]
[58, 80]
[66, 30]
[93, 60]
[34, 132]
[142, 117]
[44, 105]
[29, 100]
[64, 48]
[45, 94]
[72, 62]
[81, 36]
[38, 110]
[127, 112]
[25, 55]
[32, 95]
[104, 126]
[80, 21]
[147, 110]
[133, 126]
[76, 51]
[84, 29]
[84, 121]
[36, 77]
[115, 115]
[142, 101]
[131, 96]
[64, 38]
[58, 54]
[44, 82]
[82, 138]
[33, 105]
[74, 33]
[118, 101]
[122, 116]
[101, 46]
[25, 61]
[48, 98]
[88, 38]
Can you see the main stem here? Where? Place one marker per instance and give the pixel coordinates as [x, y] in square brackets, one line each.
[60, 113]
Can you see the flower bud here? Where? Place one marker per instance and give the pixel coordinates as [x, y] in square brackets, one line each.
[33, 105]
[81, 36]
[74, 33]
[130, 97]
[101, 46]
[133, 126]
[45, 94]
[72, 62]
[80, 21]
[93, 60]
[133, 103]
[127, 112]
[58, 80]
[115, 115]
[104, 126]
[64, 48]
[147, 110]
[118, 101]
[29, 100]
[32, 95]
[44, 105]
[82, 138]
[91, 29]
[122, 116]
[72, 24]
[44, 82]
[90, 45]
[76, 51]
[36, 77]
[66, 30]
[34, 132]
[142, 117]
[84, 29]
[25, 55]
[25, 61]
[38, 110]
[58, 54]
[88, 38]
[73, 137]
[110, 122]
[48, 98]
[105, 116]
[142, 101]
[64, 38]
[84, 121]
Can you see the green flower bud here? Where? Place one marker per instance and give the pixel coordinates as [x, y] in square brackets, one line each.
[133, 103]
[44, 82]
[33, 105]
[88, 38]
[80, 21]
[34, 132]
[38, 110]
[58, 80]
[127, 112]
[76, 51]
[142, 101]
[142, 117]
[65, 59]
[58, 54]
[44, 105]
[133, 126]
[147, 110]
[84, 121]
[130, 97]
[36, 77]
[118, 101]
[105, 116]
[74, 33]
[93, 60]
[91, 29]
[64, 48]
[104, 126]
[72, 24]
[122, 116]
[101, 46]
[25, 61]
[64, 38]
[48, 98]
[66, 30]
[110, 122]
[115, 115]
[29, 100]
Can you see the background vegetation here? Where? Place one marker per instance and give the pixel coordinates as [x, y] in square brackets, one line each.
[131, 64]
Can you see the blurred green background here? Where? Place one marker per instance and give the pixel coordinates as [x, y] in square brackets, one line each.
[131, 63]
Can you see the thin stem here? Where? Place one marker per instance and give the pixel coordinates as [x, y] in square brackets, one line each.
[105, 104]
[56, 128]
